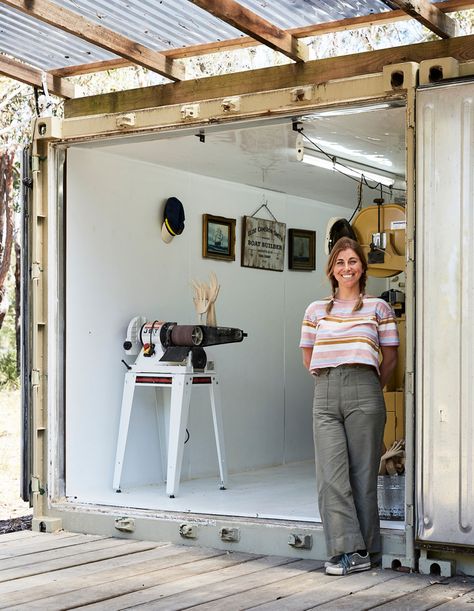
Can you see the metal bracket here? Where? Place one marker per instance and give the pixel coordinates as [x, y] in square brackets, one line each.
[190, 111]
[302, 94]
[188, 531]
[35, 377]
[300, 541]
[35, 163]
[231, 104]
[126, 525]
[127, 120]
[230, 534]
[35, 270]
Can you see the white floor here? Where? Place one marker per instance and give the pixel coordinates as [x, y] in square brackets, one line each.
[285, 492]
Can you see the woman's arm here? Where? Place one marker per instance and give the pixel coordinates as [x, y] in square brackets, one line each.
[389, 361]
[307, 352]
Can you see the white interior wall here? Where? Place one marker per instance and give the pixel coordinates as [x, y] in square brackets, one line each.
[118, 267]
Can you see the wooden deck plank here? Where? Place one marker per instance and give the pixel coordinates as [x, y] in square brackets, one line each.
[93, 552]
[217, 597]
[138, 552]
[183, 583]
[43, 556]
[103, 573]
[273, 590]
[55, 541]
[463, 603]
[386, 593]
[132, 582]
[19, 534]
[339, 587]
[444, 594]
[76, 577]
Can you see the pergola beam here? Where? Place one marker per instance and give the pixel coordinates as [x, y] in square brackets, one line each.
[255, 26]
[79, 26]
[32, 76]
[313, 72]
[427, 14]
[319, 29]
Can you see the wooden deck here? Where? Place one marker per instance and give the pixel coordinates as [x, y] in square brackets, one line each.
[73, 571]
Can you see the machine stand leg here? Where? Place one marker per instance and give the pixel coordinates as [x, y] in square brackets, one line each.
[127, 399]
[179, 411]
[215, 396]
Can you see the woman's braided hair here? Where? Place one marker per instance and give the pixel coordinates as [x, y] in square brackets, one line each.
[344, 244]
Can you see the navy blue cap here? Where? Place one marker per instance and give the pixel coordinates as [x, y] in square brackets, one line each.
[173, 219]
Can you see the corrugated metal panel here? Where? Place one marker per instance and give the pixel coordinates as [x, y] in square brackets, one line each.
[445, 319]
[166, 24]
[298, 13]
[41, 45]
[162, 25]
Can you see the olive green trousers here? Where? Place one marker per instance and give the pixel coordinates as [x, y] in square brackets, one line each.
[348, 425]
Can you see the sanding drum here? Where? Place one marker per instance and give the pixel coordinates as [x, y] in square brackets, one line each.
[179, 340]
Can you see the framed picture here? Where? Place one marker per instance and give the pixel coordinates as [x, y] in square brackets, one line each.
[301, 249]
[218, 238]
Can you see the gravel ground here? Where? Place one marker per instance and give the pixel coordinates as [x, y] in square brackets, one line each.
[14, 513]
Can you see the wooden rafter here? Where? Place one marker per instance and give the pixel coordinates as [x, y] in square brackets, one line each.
[255, 26]
[427, 14]
[32, 76]
[79, 26]
[318, 29]
[278, 77]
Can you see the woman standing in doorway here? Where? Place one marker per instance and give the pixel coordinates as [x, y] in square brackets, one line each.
[341, 340]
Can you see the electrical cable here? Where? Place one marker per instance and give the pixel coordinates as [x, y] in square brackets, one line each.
[359, 199]
[334, 160]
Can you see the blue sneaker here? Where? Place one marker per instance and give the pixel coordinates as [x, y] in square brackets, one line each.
[349, 563]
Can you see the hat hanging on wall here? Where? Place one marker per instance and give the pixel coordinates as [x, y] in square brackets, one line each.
[173, 219]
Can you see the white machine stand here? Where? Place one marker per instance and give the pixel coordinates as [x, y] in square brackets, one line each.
[181, 378]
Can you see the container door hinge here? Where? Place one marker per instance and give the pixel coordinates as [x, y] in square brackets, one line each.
[411, 117]
[35, 270]
[410, 382]
[36, 485]
[35, 163]
[411, 250]
[35, 377]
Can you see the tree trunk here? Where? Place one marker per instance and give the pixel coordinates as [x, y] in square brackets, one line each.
[6, 226]
[18, 304]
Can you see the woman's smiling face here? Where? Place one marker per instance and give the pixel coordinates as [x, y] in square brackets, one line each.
[347, 269]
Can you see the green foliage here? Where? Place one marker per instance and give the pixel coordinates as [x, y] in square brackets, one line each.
[9, 378]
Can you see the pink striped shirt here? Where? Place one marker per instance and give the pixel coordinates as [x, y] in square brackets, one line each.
[343, 336]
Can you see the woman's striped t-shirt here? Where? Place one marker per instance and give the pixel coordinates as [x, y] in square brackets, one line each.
[343, 336]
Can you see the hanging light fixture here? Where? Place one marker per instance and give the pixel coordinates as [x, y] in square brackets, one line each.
[349, 168]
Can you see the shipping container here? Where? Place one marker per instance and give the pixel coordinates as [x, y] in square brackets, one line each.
[238, 472]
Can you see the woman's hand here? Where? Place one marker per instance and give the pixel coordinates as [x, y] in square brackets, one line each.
[388, 364]
[307, 353]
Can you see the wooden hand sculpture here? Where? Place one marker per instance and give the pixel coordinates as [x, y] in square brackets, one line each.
[204, 298]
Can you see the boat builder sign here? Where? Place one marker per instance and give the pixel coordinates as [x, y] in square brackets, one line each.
[263, 244]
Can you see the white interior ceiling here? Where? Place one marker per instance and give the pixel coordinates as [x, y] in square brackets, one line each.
[264, 155]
